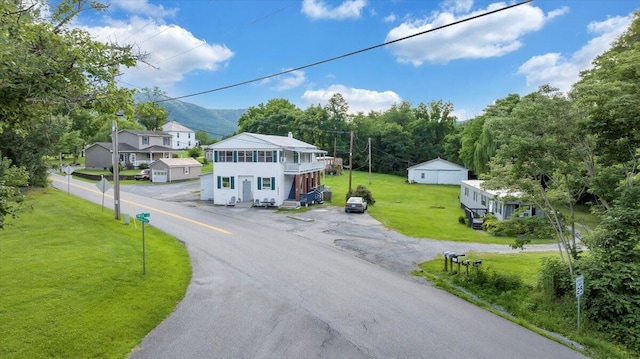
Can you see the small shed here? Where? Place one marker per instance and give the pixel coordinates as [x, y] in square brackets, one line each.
[206, 187]
[175, 169]
[437, 171]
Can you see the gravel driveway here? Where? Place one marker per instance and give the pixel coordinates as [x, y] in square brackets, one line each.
[358, 233]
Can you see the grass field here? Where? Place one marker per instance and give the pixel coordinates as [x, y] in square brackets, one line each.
[415, 210]
[71, 281]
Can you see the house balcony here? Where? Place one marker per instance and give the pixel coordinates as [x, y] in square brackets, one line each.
[291, 168]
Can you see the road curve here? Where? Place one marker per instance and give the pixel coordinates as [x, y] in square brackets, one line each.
[263, 291]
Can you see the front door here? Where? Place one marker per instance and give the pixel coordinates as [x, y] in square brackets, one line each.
[246, 190]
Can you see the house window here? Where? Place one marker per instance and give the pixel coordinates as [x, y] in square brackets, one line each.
[265, 156]
[225, 182]
[178, 143]
[186, 170]
[267, 183]
[475, 196]
[145, 140]
[225, 156]
[178, 135]
[483, 200]
[466, 192]
[189, 135]
[422, 175]
[166, 141]
[245, 156]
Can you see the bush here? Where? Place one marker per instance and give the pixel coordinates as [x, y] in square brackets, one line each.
[362, 191]
[119, 167]
[143, 166]
[462, 220]
[554, 278]
[527, 227]
[195, 152]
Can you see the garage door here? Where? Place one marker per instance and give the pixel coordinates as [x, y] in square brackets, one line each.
[159, 175]
[448, 177]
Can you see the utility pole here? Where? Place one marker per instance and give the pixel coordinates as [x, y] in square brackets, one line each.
[116, 171]
[369, 146]
[350, 160]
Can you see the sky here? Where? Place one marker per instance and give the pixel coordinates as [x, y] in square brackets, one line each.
[214, 46]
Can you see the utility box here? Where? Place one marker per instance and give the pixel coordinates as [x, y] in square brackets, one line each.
[326, 195]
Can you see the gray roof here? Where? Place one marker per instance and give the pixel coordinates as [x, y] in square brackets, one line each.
[174, 126]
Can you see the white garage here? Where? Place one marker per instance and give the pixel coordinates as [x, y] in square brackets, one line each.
[437, 171]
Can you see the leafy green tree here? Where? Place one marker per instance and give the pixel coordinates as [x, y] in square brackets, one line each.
[537, 157]
[203, 138]
[277, 117]
[151, 115]
[11, 179]
[612, 271]
[608, 95]
[49, 71]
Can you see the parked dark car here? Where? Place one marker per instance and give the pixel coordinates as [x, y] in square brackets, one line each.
[143, 175]
[355, 204]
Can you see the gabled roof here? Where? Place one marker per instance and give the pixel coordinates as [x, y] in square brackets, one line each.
[174, 126]
[179, 162]
[125, 147]
[247, 140]
[435, 160]
[147, 133]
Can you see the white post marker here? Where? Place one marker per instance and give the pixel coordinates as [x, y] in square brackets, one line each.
[579, 292]
[68, 170]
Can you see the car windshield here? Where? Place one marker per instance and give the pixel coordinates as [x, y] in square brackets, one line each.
[355, 200]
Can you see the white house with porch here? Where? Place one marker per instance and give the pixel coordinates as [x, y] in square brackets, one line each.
[266, 170]
[477, 201]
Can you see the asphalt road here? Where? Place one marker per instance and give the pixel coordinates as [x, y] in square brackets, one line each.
[268, 285]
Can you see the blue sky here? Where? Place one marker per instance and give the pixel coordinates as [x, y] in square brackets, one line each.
[200, 45]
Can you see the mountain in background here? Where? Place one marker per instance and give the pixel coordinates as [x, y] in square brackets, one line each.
[217, 123]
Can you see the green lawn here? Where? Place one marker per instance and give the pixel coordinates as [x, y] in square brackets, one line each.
[71, 282]
[415, 210]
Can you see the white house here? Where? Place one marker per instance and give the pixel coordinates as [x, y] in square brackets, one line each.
[437, 171]
[477, 201]
[259, 169]
[182, 137]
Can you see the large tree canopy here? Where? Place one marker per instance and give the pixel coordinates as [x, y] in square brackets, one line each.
[54, 79]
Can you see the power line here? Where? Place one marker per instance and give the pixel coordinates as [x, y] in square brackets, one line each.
[348, 54]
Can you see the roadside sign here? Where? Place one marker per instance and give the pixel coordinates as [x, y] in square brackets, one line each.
[143, 217]
[103, 185]
[579, 285]
[68, 170]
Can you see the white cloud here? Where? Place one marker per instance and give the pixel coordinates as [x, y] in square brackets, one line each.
[290, 80]
[142, 7]
[173, 50]
[457, 6]
[390, 18]
[318, 9]
[359, 100]
[562, 72]
[490, 36]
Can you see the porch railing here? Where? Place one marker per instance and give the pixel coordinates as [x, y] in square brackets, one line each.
[292, 168]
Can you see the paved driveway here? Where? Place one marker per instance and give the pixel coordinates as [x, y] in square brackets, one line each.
[357, 233]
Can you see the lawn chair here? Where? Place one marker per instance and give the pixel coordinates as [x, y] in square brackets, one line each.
[272, 202]
[232, 201]
[256, 203]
